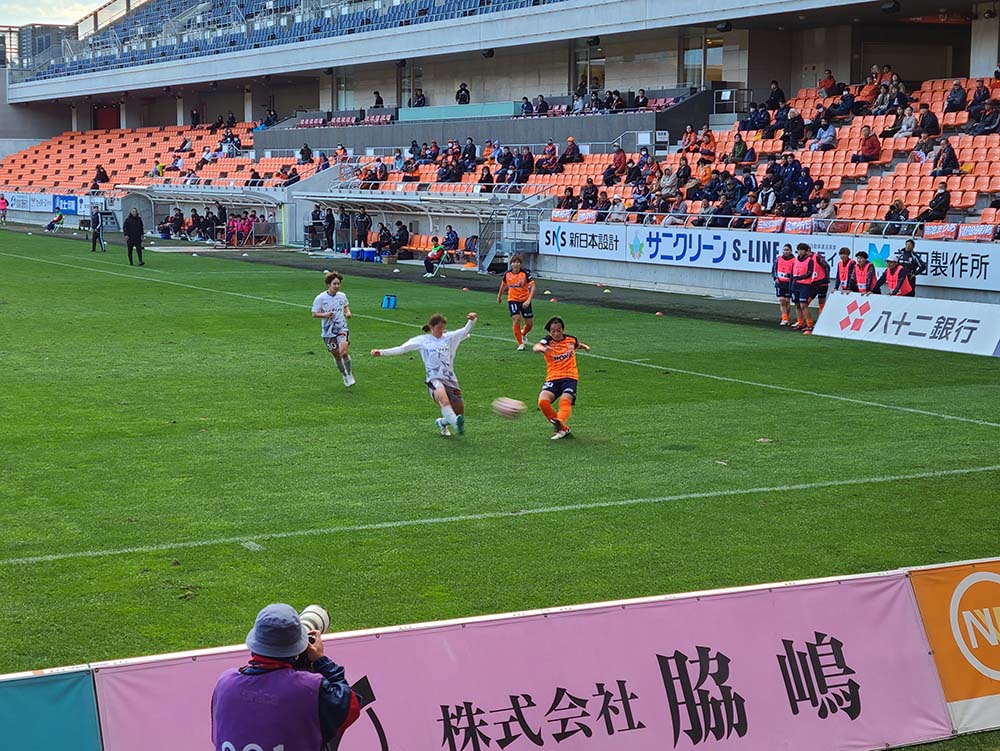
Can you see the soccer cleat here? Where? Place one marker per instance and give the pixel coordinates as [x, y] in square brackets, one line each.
[563, 433]
[783, 323]
[442, 426]
[807, 331]
[349, 380]
[558, 426]
[460, 424]
[796, 325]
[520, 347]
[427, 276]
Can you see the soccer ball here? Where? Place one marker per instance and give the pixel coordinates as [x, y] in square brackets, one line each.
[509, 408]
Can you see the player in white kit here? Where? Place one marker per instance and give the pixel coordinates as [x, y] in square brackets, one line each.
[437, 347]
[332, 307]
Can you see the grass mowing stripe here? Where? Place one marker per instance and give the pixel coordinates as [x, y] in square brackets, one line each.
[638, 363]
[252, 542]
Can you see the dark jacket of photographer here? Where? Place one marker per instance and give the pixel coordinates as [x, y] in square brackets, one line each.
[237, 710]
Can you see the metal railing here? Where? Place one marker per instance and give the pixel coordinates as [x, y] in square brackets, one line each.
[731, 101]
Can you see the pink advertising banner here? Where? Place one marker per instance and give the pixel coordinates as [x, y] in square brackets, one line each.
[829, 665]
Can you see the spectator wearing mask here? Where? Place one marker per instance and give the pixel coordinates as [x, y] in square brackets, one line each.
[945, 161]
[775, 97]
[617, 213]
[270, 119]
[957, 98]
[940, 203]
[463, 95]
[871, 148]
[310, 703]
[844, 107]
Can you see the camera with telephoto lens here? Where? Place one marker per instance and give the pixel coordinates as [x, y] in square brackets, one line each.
[314, 618]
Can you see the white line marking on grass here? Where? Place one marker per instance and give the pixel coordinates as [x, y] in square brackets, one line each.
[638, 363]
[248, 540]
[251, 545]
[107, 263]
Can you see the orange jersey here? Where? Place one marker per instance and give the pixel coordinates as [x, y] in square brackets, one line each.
[560, 358]
[518, 285]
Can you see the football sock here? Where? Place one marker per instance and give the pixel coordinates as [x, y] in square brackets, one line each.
[340, 365]
[565, 410]
[546, 407]
[449, 415]
[821, 307]
[784, 317]
[517, 333]
[809, 322]
[347, 364]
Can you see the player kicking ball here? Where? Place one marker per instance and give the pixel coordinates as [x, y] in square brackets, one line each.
[437, 347]
[332, 307]
[561, 375]
[520, 289]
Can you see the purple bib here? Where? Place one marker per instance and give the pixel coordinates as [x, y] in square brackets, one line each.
[274, 710]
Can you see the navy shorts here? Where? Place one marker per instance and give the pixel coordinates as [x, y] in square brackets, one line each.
[782, 289]
[520, 309]
[561, 387]
[821, 290]
[802, 293]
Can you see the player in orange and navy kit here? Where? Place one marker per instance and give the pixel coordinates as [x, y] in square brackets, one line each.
[561, 375]
[520, 289]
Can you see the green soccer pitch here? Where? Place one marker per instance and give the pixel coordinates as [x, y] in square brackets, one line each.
[179, 450]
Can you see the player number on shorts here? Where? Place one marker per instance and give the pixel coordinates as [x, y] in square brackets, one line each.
[227, 746]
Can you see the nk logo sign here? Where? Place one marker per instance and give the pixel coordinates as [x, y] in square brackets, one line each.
[975, 621]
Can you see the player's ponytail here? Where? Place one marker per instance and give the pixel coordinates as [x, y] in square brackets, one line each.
[434, 321]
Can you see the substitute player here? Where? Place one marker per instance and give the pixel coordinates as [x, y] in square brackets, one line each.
[561, 375]
[333, 308]
[520, 289]
[437, 347]
[802, 274]
[781, 272]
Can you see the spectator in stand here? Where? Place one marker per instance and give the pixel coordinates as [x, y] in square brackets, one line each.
[751, 209]
[486, 180]
[489, 153]
[768, 196]
[578, 105]
[689, 140]
[617, 101]
[903, 127]
[749, 180]
[463, 95]
[401, 239]
[780, 118]
[826, 137]
[384, 238]
[469, 155]
[989, 123]
[633, 175]
[219, 123]
[923, 149]
[795, 127]
[616, 170]
[378, 103]
[819, 192]
[843, 107]
[871, 148]
[100, 176]
[255, 180]
[195, 117]
[230, 119]
[738, 151]
[869, 91]
[380, 172]
[595, 104]
[609, 99]
[940, 203]
[641, 100]
[293, 177]
[524, 166]
[707, 145]
[568, 200]
[176, 165]
[668, 182]
[957, 98]
[603, 206]
[775, 97]
[825, 213]
[418, 99]
[548, 162]
[526, 107]
[617, 214]
[812, 126]
[886, 75]
[588, 196]
[927, 120]
[946, 160]
[305, 154]
[571, 154]
[505, 160]
[271, 119]
[677, 214]
[397, 160]
[683, 174]
[541, 106]
[826, 86]
[980, 96]
[881, 103]
[581, 88]
[184, 145]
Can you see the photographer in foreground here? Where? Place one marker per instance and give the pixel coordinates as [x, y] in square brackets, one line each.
[289, 694]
